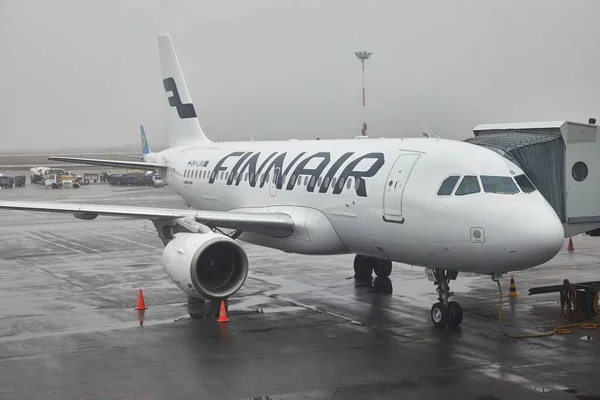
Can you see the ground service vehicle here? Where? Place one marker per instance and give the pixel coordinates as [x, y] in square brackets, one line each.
[87, 177]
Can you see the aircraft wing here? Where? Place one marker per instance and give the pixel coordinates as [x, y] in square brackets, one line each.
[269, 223]
[111, 163]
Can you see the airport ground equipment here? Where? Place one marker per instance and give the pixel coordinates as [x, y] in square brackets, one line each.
[38, 174]
[12, 181]
[6, 182]
[560, 158]
[135, 179]
[90, 177]
[578, 300]
[61, 181]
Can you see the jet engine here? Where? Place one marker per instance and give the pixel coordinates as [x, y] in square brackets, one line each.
[205, 265]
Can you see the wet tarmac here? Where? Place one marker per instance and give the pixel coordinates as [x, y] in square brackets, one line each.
[298, 329]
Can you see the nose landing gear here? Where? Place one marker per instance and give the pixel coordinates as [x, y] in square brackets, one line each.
[444, 312]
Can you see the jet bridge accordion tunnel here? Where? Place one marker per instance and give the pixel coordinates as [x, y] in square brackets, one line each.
[561, 158]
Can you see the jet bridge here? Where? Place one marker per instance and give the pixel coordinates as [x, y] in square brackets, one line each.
[561, 158]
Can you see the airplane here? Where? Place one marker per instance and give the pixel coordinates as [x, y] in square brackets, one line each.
[447, 206]
[145, 148]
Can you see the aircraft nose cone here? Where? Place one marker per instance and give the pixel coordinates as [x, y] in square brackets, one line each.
[533, 235]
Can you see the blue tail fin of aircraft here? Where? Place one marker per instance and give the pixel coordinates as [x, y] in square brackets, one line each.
[145, 147]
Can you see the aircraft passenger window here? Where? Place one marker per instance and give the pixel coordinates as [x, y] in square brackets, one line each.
[469, 185]
[326, 181]
[333, 182]
[341, 183]
[251, 178]
[306, 180]
[246, 177]
[349, 183]
[312, 181]
[185, 173]
[227, 175]
[319, 181]
[293, 180]
[524, 183]
[196, 174]
[448, 185]
[499, 184]
[356, 183]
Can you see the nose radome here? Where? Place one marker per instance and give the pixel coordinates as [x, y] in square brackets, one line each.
[534, 234]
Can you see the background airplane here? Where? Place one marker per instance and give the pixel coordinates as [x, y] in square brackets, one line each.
[445, 205]
[145, 147]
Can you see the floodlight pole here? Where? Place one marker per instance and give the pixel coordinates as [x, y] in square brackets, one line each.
[362, 56]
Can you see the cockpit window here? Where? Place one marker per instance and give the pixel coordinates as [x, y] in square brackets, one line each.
[524, 183]
[499, 184]
[469, 185]
[448, 185]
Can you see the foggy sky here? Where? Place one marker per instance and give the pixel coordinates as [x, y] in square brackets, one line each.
[86, 73]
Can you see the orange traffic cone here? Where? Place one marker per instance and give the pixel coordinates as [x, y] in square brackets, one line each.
[223, 313]
[512, 290]
[571, 248]
[140, 304]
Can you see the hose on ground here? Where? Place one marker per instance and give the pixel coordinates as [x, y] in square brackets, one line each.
[562, 329]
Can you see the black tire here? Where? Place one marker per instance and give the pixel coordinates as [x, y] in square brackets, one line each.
[382, 268]
[439, 315]
[363, 268]
[456, 313]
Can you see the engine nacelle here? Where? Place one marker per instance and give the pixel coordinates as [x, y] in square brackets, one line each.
[205, 265]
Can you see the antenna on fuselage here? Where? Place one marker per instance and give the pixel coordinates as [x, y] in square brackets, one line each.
[251, 137]
[437, 135]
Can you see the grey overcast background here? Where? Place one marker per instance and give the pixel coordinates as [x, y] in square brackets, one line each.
[85, 74]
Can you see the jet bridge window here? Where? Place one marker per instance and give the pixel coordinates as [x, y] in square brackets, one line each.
[448, 185]
[499, 184]
[524, 183]
[469, 185]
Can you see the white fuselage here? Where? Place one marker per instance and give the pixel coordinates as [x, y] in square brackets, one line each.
[385, 201]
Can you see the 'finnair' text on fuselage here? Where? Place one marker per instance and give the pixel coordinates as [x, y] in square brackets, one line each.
[240, 165]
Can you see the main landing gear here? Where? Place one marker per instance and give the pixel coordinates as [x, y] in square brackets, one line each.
[444, 312]
[364, 266]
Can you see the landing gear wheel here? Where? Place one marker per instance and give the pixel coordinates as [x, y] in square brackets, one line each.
[440, 315]
[382, 268]
[456, 313]
[444, 312]
[363, 268]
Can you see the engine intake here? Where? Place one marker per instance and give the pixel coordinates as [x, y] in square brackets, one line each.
[206, 265]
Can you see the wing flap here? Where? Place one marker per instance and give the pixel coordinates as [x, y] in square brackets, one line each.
[269, 223]
[111, 163]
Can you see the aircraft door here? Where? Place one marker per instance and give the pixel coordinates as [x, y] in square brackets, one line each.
[273, 183]
[394, 187]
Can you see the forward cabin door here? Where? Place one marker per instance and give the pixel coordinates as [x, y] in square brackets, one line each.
[394, 187]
